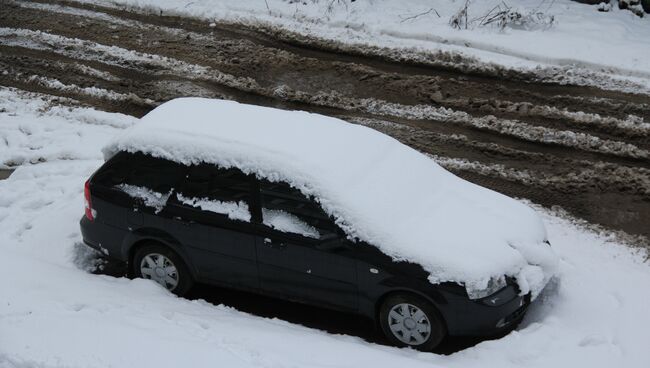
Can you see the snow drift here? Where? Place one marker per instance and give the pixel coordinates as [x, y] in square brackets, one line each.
[378, 190]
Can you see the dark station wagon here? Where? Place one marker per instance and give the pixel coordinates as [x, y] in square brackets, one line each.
[180, 224]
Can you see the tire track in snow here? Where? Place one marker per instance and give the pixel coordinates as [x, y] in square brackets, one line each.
[89, 91]
[120, 57]
[85, 50]
[631, 126]
[572, 182]
[583, 175]
[367, 105]
[514, 128]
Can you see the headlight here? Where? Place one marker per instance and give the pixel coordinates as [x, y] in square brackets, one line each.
[477, 292]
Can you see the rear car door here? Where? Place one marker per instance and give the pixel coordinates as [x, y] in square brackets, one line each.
[301, 253]
[210, 213]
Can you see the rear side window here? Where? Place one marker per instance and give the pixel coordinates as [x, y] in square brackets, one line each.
[286, 209]
[145, 179]
[140, 170]
[221, 192]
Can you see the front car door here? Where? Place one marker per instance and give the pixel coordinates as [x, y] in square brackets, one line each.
[302, 255]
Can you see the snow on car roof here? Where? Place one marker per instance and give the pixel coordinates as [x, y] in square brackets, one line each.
[379, 190]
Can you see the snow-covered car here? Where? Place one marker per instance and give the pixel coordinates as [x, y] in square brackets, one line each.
[317, 210]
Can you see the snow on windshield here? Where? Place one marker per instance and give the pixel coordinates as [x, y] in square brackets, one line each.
[234, 210]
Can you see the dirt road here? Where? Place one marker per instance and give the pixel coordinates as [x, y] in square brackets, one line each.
[581, 148]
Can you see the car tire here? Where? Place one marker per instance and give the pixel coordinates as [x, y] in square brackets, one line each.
[159, 263]
[408, 320]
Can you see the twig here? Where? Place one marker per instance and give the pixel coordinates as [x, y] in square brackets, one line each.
[419, 15]
[550, 5]
[482, 19]
[465, 10]
[456, 20]
[330, 7]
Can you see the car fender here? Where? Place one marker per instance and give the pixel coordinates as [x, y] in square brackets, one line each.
[137, 236]
[370, 303]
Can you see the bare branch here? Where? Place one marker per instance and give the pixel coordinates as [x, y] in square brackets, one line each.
[419, 15]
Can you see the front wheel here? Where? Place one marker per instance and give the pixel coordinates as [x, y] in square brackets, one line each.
[160, 264]
[409, 320]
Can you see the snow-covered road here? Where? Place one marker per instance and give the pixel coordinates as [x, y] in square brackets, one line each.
[53, 313]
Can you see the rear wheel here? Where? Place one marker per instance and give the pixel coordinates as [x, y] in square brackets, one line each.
[162, 265]
[409, 320]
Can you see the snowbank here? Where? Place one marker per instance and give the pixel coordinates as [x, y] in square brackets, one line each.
[54, 314]
[80, 132]
[583, 46]
[379, 190]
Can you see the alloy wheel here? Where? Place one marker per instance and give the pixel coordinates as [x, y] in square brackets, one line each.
[409, 324]
[157, 267]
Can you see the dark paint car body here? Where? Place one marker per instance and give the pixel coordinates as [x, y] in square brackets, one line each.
[332, 272]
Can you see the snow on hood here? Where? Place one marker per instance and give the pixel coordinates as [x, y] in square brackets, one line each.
[379, 190]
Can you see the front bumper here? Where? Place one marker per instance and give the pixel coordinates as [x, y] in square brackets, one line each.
[489, 316]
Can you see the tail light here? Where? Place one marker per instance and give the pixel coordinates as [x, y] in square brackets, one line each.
[88, 205]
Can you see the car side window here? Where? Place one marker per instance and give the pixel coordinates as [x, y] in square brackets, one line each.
[145, 179]
[140, 170]
[220, 192]
[287, 210]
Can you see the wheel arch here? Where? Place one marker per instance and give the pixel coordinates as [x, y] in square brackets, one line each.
[141, 237]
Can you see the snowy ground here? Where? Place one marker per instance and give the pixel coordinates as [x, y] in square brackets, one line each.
[583, 46]
[53, 313]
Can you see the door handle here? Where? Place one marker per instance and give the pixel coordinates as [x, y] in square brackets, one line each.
[277, 245]
[183, 221]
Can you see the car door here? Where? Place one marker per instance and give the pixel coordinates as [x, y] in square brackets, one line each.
[210, 214]
[301, 253]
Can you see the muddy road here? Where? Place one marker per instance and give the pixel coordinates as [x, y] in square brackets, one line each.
[584, 149]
